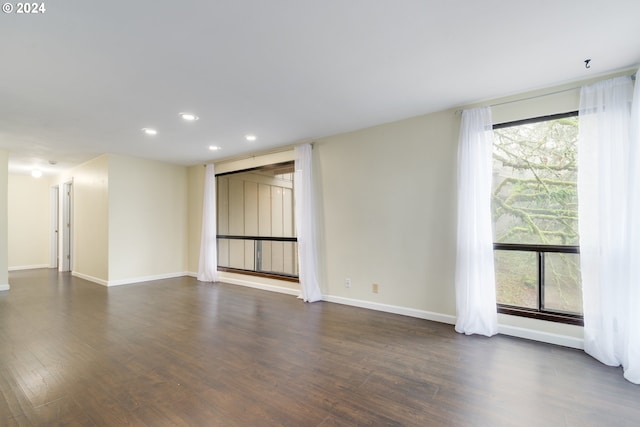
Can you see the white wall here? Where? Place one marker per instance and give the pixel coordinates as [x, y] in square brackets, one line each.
[148, 221]
[4, 247]
[29, 214]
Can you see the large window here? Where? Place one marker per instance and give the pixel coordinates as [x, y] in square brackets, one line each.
[535, 216]
[256, 230]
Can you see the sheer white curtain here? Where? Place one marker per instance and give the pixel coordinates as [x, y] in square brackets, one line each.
[208, 266]
[305, 224]
[475, 276]
[608, 195]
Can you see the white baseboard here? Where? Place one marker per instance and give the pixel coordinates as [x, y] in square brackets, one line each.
[146, 278]
[395, 309]
[5, 287]
[262, 286]
[90, 278]
[28, 267]
[530, 334]
[550, 338]
[128, 281]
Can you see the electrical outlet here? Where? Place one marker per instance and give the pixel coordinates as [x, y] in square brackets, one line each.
[347, 283]
[374, 288]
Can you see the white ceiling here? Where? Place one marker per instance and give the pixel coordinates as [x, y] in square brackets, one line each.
[84, 77]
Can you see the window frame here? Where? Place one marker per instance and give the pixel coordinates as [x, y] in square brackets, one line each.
[255, 273]
[540, 312]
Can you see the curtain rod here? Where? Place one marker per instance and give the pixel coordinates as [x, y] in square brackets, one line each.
[633, 77]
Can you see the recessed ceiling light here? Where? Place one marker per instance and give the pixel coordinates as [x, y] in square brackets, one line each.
[214, 148]
[150, 131]
[190, 117]
[36, 173]
[250, 137]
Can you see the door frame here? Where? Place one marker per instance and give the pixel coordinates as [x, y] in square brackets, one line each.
[66, 259]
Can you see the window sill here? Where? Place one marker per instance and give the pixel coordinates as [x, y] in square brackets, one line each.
[569, 319]
[258, 274]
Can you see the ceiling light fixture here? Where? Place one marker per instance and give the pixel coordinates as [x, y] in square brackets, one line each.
[214, 148]
[189, 117]
[36, 173]
[250, 137]
[149, 131]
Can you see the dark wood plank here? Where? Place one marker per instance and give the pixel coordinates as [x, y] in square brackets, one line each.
[178, 352]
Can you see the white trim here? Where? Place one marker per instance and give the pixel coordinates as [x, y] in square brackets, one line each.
[262, 286]
[89, 278]
[547, 337]
[530, 334]
[5, 287]
[129, 281]
[395, 309]
[28, 267]
[145, 279]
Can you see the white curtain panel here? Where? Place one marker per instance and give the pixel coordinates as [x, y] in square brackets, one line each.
[631, 356]
[208, 266]
[305, 224]
[475, 276]
[607, 202]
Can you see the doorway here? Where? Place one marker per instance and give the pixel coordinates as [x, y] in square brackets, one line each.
[66, 263]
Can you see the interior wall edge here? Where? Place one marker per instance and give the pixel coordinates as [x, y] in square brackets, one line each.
[90, 278]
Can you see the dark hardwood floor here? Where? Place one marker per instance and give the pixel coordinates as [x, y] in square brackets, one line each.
[180, 352]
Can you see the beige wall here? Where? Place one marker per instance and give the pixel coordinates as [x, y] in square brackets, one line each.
[387, 211]
[29, 214]
[129, 219]
[388, 203]
[4, 247]
[90, 218]
[148, 221]
[195, 196]
[389, 208]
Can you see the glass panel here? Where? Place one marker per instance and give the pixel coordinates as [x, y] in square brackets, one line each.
[534, 196]
[279, 258]
[258, 203]
[562, 285]
[264, 256]
[517, 278]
